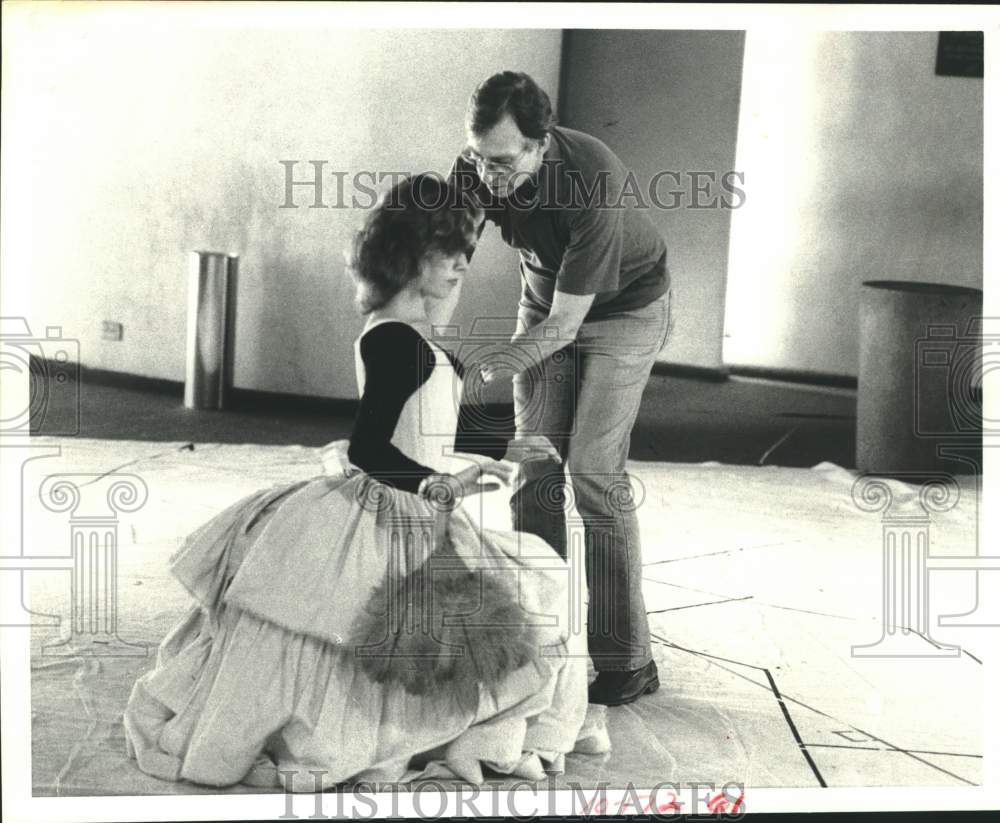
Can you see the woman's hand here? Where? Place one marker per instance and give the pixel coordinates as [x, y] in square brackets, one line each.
[531, 447]
[334, 459]
[446, 491]
[501, 469]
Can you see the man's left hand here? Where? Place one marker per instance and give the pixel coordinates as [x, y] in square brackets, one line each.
[495, 372]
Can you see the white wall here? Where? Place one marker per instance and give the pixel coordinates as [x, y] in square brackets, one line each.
[860, 164]
[131, 144]
[668, 101]
[128, 144]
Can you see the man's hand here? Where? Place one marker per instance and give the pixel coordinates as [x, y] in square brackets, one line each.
[495, 372]
[531, 447]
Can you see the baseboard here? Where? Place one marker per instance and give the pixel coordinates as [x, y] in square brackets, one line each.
[723, 373]
[237, 399]
[256, 400]
[279, 402]
[126, 380]
[840, 381]
[712, 375]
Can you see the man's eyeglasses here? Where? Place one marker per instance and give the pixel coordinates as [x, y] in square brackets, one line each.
[483, 165]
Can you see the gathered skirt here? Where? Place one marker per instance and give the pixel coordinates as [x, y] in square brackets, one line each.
[261, 677]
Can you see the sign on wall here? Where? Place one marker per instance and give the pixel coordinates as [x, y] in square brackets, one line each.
[960, 54]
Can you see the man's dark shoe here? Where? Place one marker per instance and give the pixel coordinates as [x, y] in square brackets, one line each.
[619, 688]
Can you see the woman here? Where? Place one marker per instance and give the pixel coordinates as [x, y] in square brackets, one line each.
[359, 625]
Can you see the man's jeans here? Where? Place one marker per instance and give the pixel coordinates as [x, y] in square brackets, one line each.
[585, 399]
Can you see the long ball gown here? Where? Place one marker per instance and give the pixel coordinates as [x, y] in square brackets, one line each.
[262, 675]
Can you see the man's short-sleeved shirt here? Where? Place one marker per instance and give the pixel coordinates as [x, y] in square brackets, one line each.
[580, 227]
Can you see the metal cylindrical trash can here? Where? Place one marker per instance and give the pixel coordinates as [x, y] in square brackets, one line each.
[211, 329]
[920, 376]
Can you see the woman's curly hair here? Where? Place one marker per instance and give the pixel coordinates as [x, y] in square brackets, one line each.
[419, 216]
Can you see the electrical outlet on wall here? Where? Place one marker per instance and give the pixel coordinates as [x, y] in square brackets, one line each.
[111, 330]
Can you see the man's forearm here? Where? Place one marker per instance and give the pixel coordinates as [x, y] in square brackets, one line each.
[547, 337]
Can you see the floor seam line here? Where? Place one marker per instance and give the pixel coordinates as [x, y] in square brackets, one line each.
[792, 727]
[696, 605]
[712, 658]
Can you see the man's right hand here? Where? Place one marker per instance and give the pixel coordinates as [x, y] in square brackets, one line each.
[531, 447]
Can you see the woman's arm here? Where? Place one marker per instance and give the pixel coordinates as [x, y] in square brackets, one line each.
[397, 363]
[395, 367]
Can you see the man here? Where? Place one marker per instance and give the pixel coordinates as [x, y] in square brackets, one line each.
[593, 314]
